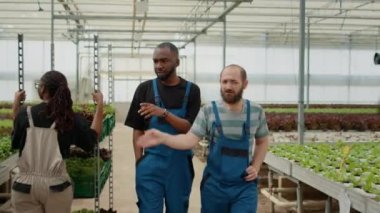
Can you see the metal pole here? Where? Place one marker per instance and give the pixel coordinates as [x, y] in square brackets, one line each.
[349, 70]
[20, 52]
[328, 206]
[224, 36]
[96, 88]
[110, 137]
[77, 71]
[266, 67]
[52, 37]
[270, 187]
[195, 60]
[300, 124]
[110, 77]
[308, 65]
[96, 63]
[299, 195]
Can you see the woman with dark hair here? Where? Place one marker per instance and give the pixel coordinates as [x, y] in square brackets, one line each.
[43, 134]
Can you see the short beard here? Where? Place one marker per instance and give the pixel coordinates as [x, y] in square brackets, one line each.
[236, 98]
[166, 76]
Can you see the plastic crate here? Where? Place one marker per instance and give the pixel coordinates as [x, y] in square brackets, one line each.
[84, 187]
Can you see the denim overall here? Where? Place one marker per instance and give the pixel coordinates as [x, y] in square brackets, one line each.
[223, 188]
[163, 172]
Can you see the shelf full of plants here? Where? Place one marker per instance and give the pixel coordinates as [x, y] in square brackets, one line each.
[334, 168]
[82, 166]
[8, 158]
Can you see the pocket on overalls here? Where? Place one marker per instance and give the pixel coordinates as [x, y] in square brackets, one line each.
[234, 162]
[21, 187]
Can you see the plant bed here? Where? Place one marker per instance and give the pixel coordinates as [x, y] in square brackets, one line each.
[353, 165]
[324, 121]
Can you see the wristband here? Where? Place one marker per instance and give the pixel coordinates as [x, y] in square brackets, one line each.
[164, 114]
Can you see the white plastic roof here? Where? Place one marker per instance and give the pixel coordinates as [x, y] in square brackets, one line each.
[136, 23]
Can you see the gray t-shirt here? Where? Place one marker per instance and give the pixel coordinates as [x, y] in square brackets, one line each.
[232, 122]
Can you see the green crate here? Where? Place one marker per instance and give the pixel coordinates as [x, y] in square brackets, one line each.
[84, 187]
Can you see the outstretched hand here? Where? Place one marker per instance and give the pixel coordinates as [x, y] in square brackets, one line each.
[150, 138]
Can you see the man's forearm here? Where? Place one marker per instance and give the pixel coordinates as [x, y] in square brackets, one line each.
[260, 152]
[181, 141]
[180, 124]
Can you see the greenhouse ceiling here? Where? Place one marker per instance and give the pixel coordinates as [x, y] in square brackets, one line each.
[144, 23]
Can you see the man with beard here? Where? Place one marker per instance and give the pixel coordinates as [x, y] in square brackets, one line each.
[168, 103]
[237, 132]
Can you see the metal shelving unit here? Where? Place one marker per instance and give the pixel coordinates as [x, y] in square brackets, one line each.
[97, 87]
[357, 199]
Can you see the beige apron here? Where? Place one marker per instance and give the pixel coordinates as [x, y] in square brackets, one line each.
[43, 185]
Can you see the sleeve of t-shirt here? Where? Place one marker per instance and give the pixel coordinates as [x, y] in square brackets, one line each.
[194, 103]
[19, 129]
[86, 137]
[135, 120]
[262, 130]
[199, 127]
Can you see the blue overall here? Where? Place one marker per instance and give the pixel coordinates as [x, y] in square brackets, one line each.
[223, 188]
[163, 172]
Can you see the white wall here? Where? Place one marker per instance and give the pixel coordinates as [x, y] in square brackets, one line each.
[337, 75]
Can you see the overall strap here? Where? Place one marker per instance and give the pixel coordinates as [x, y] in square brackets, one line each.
[247, 123]
[218, 123]
[186, 98]
[157, 99]
[29, 114]
[52, 125]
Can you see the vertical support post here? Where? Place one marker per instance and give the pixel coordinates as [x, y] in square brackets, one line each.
[96, 63]
[52, 37]
[96, 88]
[77, 68]
[110, 137]
[266, 66]
[300, 124]
[195, 60]
[328, 206]
[349, 69]
[110, 76]
[308, 65]
[20, 52]
[270, 187]
[20, 58]
[299, 197]
[224, 36]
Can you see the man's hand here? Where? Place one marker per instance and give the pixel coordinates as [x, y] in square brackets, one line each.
[148, 110]
[252, 173]
[151, 138]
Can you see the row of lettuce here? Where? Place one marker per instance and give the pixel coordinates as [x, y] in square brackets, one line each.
[356, 165]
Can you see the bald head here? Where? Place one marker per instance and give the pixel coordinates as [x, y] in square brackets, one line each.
[236, 68]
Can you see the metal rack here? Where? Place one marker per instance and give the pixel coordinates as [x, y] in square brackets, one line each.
[357, 200]
[110, 137]
[97, 187]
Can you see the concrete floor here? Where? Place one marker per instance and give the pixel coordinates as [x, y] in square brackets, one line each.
[124, 198]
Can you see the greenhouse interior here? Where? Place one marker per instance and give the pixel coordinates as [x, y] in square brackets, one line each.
[313, 67]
